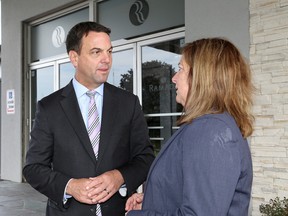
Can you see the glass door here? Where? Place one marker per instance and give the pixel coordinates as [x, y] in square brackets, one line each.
[66, 72]
[42, 84]
[144, 66]
[45, 78]
[123, 68]
[159, 60]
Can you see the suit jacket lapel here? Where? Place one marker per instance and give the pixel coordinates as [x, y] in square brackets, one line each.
[109, 112]
[163, 149]
[72, 111]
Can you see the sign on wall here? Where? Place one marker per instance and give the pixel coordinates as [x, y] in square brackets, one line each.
[48, 39]
[132, 18]
[10, 98]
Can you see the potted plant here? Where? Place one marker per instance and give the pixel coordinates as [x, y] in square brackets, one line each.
[276, 207]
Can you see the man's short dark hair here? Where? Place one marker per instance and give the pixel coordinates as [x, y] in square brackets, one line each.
[76, 33]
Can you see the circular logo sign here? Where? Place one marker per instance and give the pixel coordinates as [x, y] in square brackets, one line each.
[139, 12]
[58, 36]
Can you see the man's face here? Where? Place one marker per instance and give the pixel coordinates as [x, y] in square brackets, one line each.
[94, 60]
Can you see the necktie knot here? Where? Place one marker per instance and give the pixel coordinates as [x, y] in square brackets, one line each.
[91, 94]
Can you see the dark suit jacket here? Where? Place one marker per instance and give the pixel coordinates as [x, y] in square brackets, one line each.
[204, 169]
[60, 149]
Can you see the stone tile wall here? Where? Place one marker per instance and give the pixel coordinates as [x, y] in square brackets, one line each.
[269, 62]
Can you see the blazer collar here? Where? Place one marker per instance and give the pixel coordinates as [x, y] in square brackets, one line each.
[109, 111]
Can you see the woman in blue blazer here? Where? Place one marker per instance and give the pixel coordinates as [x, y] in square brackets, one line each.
[205, 168]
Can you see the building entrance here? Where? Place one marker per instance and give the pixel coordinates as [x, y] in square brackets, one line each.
[144, 66]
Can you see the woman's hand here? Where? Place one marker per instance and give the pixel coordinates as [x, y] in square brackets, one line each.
[134, 202]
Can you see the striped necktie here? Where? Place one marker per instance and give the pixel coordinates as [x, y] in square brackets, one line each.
[93, 127]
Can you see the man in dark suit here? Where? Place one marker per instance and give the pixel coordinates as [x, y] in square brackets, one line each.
[60, 161]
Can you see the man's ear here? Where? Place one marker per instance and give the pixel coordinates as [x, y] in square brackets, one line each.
[73, 55]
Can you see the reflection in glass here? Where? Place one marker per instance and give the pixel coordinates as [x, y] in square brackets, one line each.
[42, 84]
[66, 73]
[159, 63]
[121, 73]
[158, 133]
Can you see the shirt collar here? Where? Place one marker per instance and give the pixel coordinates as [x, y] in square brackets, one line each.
[81, 90]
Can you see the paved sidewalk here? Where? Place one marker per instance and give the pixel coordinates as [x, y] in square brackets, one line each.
[20, 199]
